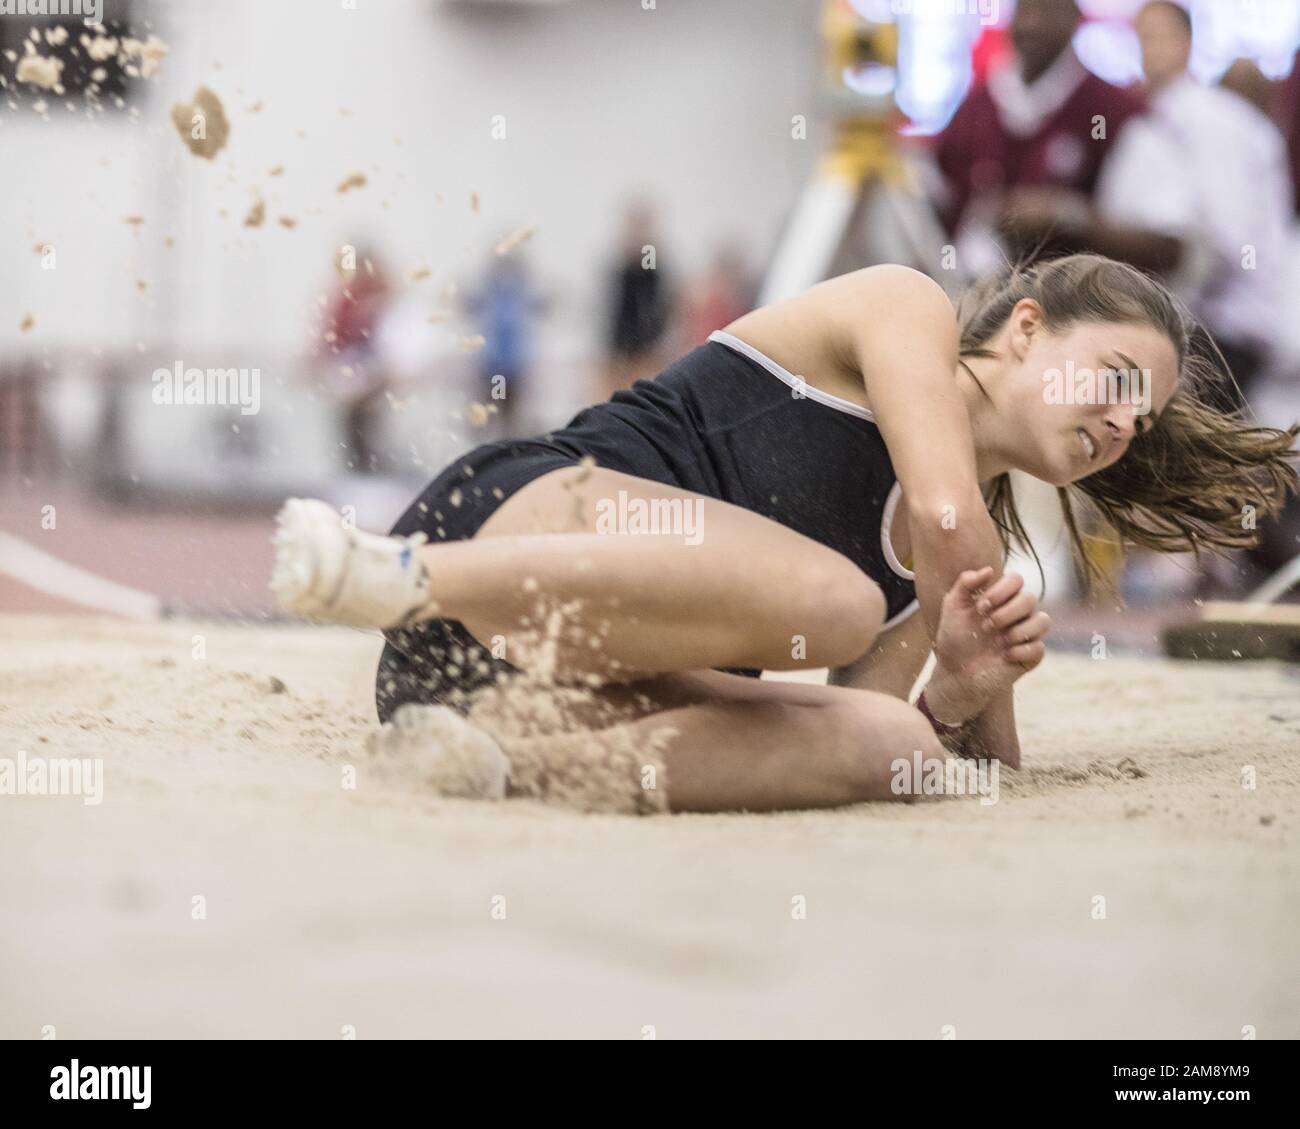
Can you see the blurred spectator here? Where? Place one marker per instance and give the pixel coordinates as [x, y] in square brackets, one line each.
[724, 293]
[355, 372]
[640, 307]
[1025, 148]
[1207, 169]
[504, 308]
[1208, 172]
[27, 443]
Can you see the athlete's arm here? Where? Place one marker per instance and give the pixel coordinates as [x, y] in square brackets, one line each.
[897, 327]
[892, 664]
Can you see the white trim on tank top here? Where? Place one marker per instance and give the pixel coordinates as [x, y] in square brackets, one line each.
[837, 402]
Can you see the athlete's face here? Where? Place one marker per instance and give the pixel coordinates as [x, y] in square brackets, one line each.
[1083, 395]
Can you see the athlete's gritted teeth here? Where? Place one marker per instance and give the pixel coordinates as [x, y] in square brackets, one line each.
[1088, 443]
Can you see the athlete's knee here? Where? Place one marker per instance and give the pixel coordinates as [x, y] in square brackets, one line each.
[913, 750]
[887, 747]
[845, 609]
[919, 754]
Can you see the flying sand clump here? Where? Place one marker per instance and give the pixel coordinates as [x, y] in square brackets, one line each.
[40, 70]
[256, 213]
[477, 415]
[99, 48]
[515, 240]
[149, 52]
[202, 123]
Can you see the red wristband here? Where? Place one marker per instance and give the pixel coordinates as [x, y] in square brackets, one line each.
[940, 727]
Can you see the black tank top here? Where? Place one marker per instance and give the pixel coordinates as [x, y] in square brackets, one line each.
[728, 422]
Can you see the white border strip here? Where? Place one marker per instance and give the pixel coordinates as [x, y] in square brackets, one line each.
[906, 613]
[722, 337]
[38, 569]
[886, 533]
[1277, 585]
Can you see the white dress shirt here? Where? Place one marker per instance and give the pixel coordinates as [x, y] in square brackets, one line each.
[1207, 167]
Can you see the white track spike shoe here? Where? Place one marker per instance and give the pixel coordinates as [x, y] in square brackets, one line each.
[327, 572]
[438, 748]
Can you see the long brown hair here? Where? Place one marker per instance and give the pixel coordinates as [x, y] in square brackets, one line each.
[1186, 483]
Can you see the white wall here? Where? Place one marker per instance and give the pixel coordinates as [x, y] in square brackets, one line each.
[689, 104]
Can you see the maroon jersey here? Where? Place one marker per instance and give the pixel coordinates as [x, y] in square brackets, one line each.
[978, 154]
[1288, 119]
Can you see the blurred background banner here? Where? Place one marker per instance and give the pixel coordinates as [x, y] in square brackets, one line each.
[257, 248]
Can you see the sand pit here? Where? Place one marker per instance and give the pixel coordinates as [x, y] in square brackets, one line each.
[400, 914]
